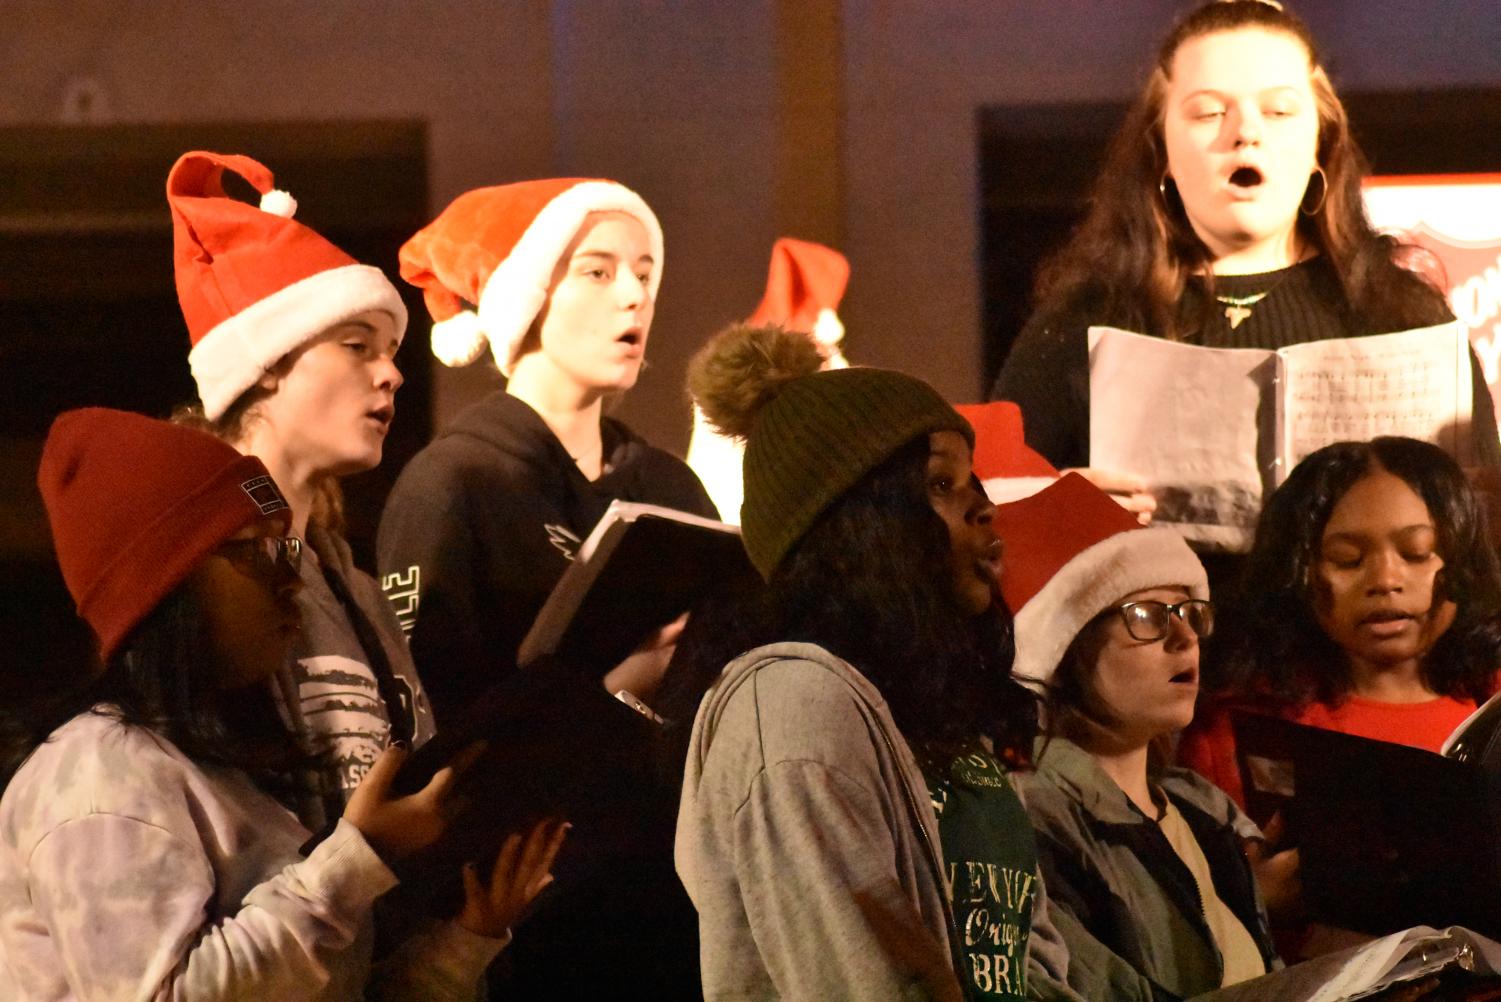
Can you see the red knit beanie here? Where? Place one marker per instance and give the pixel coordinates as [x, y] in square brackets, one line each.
[135, 504]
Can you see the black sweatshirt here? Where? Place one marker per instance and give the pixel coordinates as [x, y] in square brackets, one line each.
[484, 521]
[478, 529]
[1047, 372]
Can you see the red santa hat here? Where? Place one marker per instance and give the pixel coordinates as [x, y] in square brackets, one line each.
[804, 285]
[496, 248]
[1072, 551]
[135, 504]
[254, 284]
[1009, 468]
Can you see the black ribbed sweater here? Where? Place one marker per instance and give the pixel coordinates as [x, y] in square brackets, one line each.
[1047, 372]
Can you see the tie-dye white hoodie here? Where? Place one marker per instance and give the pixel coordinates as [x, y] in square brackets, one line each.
[127, 871]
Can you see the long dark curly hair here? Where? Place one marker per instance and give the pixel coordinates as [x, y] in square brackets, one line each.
[1269, 642]
[165, 678]
[869, 582]
[1135, 252]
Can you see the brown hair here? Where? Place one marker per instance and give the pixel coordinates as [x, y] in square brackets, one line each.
[1135, 249]
[231, 427]
[1073, 706]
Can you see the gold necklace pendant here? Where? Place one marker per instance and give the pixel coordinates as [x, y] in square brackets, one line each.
[1238, 308]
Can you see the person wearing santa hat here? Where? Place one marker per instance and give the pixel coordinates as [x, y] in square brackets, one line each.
[293, 354]
[558, 278]
[1147, 864]
[1009, 469]
[804, 285]
[139, 856]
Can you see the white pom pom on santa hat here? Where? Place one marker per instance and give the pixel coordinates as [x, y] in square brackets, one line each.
[279, 203]
[496, 248]
[459, 340]
[828, 329]
[255, 284]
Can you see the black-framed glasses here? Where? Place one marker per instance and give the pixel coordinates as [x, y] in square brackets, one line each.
[266, 557]
[1149, 620]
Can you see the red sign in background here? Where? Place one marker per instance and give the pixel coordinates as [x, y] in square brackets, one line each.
[1457, 217]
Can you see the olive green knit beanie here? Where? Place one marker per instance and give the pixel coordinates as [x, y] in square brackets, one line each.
[810, 435]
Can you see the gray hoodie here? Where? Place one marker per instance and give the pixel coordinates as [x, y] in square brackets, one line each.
[808, 843]
[806, 839]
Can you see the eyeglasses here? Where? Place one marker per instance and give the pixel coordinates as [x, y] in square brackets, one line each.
[266, 557]
[1150, 620]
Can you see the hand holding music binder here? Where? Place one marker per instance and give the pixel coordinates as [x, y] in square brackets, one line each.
[1445, 965]
[556, 743]
[642, 567]
[1388, 836]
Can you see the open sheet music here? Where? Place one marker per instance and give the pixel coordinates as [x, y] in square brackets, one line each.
[1215, 429]
[1364, 972]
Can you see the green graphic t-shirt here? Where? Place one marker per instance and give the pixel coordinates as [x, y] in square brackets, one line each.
[992, 861]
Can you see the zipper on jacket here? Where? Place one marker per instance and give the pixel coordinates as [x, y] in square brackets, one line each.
[1159, 836]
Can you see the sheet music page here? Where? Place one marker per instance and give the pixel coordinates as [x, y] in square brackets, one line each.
[1355, 972]
[1415, 383]
[1187, 419]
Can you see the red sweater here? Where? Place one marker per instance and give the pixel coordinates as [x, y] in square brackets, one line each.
[1208, 745]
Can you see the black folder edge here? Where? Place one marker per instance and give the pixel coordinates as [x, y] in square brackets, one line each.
[644, 572]
[1389, 836]
[557, 744]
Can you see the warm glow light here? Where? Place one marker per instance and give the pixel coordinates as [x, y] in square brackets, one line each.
[1458, 218]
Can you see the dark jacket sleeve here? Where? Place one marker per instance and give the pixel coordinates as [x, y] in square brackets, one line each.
[1082, 902]
[1047, 375]
[429, 568]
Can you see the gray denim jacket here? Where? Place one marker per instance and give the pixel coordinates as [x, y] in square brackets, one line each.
[1126, 904]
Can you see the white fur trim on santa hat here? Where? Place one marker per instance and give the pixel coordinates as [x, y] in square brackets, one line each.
[719, 462]
[514, 293]
[231, 357]
[1004, 490]
[1092, 581]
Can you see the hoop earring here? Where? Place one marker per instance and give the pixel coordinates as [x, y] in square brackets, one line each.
[1162, 187]
[1323, 193]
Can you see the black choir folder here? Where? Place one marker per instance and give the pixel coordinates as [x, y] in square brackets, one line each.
[556, 743]
[642, 567]
[1389, 836]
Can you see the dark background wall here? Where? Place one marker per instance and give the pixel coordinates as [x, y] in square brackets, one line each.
[893, 129]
